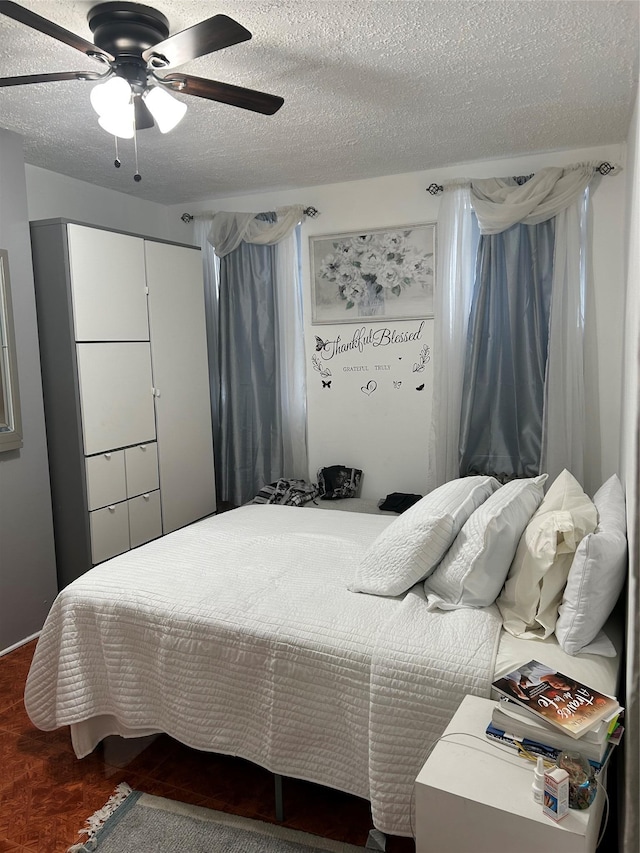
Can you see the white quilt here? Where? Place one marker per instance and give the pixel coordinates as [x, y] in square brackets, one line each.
[238, 635]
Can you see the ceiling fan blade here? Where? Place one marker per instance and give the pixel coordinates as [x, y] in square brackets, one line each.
[225, 93]
[49, 78]
[43, 25]
[205, 37]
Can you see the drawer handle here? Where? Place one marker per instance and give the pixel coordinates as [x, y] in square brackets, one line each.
[107, 456]
[143, 446]
[146, 497]
[111, 508]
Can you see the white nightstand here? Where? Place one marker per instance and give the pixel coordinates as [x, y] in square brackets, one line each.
[474, 797]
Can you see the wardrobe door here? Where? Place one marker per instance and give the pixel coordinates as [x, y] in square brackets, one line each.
[108, 285]
[116, 395]
[181, 380]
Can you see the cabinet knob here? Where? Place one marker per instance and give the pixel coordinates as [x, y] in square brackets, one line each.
[107, 456]
[146, 497]
[143, 446]
[111, 508]
[156, 392]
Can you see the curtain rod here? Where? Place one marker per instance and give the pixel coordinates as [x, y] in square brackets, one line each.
[308, 211]
[603, 168]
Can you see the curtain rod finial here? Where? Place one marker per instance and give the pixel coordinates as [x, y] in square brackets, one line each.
[187, 217]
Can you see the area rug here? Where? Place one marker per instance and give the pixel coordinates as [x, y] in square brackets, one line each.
[134, 822]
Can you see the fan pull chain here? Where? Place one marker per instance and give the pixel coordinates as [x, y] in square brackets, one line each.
[137, 177]
[116, 162]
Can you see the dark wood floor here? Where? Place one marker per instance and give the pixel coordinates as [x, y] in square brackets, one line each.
[46, 793]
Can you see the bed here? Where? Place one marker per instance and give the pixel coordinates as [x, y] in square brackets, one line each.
[242, 634]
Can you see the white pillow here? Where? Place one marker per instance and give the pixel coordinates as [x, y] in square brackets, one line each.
[533, 591]
[596, 577]
[411, 546]
[474, 568]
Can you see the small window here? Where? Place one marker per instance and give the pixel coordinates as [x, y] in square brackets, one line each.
[10, 421]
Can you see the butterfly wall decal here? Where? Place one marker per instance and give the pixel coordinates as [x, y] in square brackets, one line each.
[326, 384]
[397, 383]
[320, 344]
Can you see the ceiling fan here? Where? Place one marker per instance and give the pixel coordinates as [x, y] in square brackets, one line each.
[132, 43]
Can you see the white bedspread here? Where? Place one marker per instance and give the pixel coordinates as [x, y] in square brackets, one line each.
[238, 635]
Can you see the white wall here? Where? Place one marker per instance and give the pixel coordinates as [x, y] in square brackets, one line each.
[53, 196]
[630, 469]
[385, 433]
[27, 561]
[631, 377]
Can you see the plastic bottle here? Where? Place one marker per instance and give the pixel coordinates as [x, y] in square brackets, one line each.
[537, 786]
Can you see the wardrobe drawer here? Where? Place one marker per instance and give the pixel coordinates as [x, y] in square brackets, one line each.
[106, 482]
[141, 464]
[109, 531]
[145, 519]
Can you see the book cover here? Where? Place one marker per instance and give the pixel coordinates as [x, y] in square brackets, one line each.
[568, 704]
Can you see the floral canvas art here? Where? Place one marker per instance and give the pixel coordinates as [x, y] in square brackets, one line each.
[382, 274]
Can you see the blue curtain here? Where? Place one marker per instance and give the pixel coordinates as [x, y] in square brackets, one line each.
[506, 356]
[249, 451]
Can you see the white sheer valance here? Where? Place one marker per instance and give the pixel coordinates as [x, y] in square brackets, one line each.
[501, 202]
[228, 230]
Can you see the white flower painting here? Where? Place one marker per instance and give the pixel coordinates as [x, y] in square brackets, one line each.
[375, 275]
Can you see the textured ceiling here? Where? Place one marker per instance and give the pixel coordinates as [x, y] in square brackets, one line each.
[370, 87]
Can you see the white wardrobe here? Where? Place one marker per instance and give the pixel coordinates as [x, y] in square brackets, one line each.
[126, 388]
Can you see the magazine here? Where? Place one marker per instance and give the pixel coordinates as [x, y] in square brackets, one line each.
[560, 700]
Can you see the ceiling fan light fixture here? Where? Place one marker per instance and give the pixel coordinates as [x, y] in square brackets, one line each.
[132, 41]
[165, 109]
[119, 122]
[113, 95]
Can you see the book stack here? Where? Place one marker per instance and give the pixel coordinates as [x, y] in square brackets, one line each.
[543, 712]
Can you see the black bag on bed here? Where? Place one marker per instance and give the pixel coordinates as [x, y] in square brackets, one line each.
[337, 481]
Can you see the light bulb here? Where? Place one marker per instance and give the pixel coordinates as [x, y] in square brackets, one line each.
[109, 96]
[166, 110]
[119, 122]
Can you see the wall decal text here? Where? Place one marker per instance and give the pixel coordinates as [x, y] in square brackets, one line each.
[363, 337]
